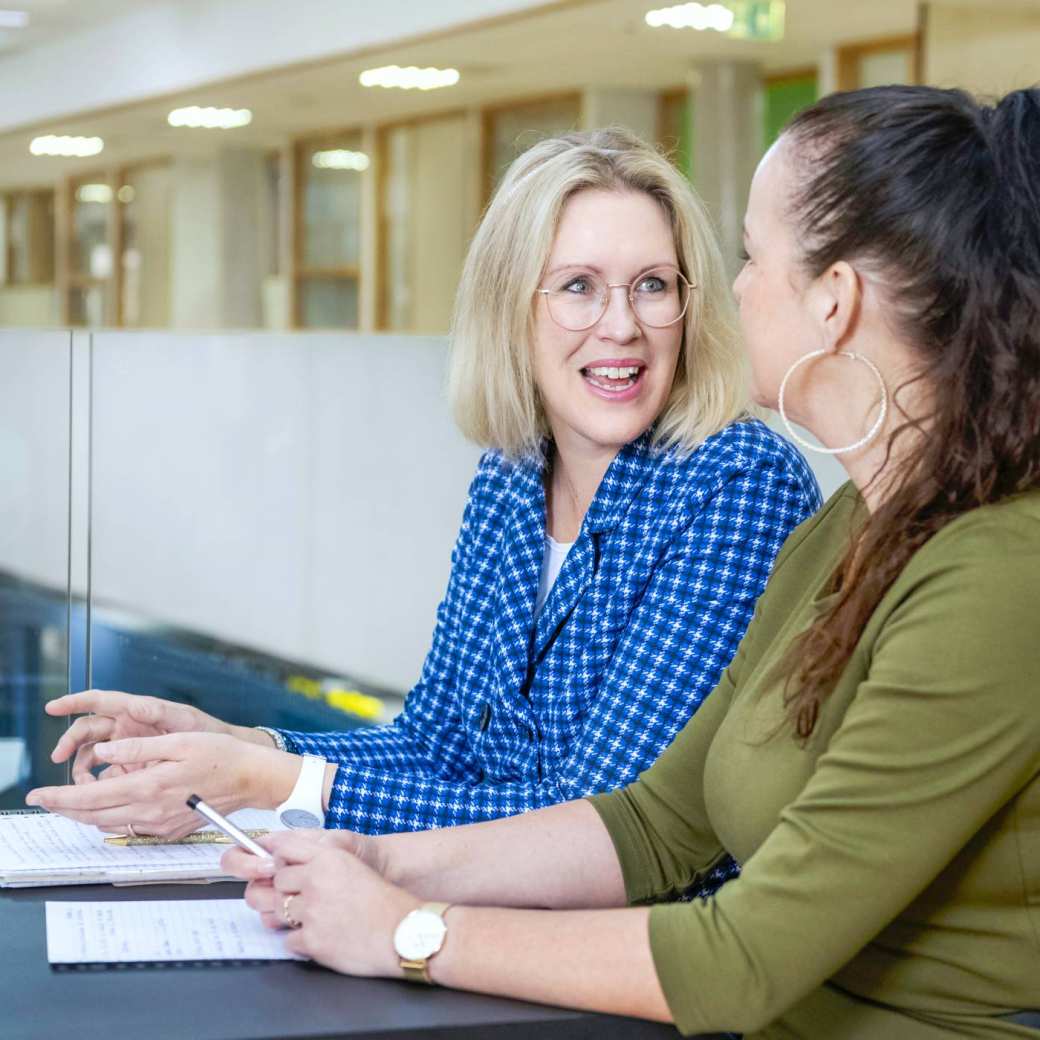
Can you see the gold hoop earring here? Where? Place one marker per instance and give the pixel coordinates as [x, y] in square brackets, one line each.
[879, 422]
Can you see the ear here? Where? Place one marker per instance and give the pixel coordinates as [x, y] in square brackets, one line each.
[835, 301]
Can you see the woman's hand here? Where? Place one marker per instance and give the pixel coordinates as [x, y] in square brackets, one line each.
[372, 851]
[226, 772]
[347, 912]
[119, 715]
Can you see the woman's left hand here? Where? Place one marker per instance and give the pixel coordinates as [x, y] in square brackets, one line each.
[347, 912]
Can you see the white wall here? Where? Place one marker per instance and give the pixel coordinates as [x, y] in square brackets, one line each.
[34, 454]
[299, 494]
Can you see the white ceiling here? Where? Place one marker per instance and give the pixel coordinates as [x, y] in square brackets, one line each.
[591, 43]
[49, 20]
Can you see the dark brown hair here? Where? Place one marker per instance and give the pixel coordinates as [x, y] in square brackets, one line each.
[941, 196]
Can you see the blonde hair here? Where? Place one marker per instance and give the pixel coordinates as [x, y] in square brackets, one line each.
[491, 383]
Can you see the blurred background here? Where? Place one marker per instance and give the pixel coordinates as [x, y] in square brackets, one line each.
[230, 235]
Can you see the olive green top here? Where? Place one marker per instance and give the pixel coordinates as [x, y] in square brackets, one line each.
[891, 866]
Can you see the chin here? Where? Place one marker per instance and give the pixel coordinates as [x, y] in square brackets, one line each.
[763, 398]
[616, 434]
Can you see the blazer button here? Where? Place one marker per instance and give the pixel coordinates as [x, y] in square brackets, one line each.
[485, 718]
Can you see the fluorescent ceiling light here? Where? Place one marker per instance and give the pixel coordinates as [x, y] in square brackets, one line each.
[692, 16]
[210, 118]
[14, 19]
[340, 159]
[69, 147]
[410, 78]
[93, 193]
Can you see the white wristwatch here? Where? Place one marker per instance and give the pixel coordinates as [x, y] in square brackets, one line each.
[304, 808]
[418, 937]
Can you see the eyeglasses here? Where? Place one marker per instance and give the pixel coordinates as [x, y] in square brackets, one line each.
[577, 301]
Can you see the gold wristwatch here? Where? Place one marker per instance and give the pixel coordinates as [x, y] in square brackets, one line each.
[418, 937]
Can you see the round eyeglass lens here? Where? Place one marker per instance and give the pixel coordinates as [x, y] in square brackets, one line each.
[658, 297]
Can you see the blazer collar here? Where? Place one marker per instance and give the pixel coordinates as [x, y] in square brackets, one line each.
[625, 475]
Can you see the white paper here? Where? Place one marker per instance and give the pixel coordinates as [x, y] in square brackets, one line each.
[168, 930]
[48, 844]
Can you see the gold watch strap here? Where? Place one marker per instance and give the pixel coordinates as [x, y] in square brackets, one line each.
[419, 971]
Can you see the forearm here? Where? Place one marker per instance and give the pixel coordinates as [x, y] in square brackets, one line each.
[592, 960]
[274, 786]
[560, 857]
[251, 735]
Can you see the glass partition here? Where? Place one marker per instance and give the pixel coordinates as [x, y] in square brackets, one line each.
[270, 537]
[35, 490]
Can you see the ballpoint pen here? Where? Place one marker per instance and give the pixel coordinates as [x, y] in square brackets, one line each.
[239, 837]
[198, 838]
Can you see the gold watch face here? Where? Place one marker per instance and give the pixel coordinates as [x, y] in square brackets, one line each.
[420, 935]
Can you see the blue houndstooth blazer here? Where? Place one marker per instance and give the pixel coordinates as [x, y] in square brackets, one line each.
[511, 713]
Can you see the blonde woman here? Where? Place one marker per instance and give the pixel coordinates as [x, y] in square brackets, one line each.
[618, 532]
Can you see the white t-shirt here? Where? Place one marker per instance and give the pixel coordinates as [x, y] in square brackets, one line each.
[552, 561]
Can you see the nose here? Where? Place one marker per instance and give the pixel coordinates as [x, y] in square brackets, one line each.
[619, 321]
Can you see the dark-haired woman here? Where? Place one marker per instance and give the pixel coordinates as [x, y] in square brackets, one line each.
[872, 756]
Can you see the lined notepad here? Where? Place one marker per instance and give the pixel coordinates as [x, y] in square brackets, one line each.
[39, 849]
[160, 931]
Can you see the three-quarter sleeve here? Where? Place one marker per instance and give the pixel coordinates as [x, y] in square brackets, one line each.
[941, 734]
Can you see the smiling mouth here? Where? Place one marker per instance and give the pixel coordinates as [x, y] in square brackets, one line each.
[614, 379]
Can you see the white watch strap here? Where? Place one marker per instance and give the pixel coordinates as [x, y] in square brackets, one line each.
[304, 808]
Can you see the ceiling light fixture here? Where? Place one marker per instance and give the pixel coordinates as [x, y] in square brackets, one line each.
[340, 159]
[410, 78]
[94, 193]
[758, 20]
[210, 118]
[692, 16]
[14, 19]
[67, 147]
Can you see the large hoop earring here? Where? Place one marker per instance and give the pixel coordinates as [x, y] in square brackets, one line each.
[863, 441]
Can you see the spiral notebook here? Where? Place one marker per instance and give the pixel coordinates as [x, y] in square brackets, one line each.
[39, 849]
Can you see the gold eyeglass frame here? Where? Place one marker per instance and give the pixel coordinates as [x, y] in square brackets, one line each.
[605, 298]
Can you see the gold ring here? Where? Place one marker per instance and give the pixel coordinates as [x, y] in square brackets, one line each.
[289, 919]
[131, 832]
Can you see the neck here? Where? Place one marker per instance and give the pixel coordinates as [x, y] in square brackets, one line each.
[574, 477]
[871, 468]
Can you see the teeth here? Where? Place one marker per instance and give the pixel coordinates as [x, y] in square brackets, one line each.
[608, 372]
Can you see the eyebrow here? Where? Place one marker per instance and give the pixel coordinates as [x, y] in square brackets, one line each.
[596, 270]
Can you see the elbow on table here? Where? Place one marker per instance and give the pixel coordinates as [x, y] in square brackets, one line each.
[747, 1010]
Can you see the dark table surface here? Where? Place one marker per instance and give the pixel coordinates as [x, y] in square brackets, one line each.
[246, 1002]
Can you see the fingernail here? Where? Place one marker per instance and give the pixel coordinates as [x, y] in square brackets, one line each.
[266, 868]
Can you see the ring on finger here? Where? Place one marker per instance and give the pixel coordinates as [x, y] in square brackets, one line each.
[131, 833]
[287, 913]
